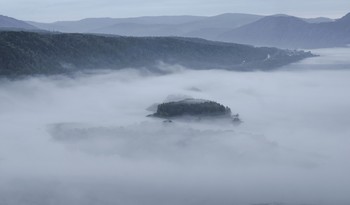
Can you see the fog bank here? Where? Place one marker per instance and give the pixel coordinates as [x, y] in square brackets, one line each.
[87, 140]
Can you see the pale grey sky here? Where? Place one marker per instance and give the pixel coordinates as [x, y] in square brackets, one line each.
[57, 10]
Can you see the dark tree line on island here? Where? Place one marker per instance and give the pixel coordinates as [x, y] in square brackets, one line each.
[194, 108]
[174, 109]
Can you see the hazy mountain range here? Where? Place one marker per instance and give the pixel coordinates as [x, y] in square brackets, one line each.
[292, 32]
[211, 28]
[8, 23]
[178, 25]
[277, 30]
[27, 53]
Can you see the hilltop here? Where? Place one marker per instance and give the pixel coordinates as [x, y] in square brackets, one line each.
[292, 32]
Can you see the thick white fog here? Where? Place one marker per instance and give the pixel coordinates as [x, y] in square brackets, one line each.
[86, 139]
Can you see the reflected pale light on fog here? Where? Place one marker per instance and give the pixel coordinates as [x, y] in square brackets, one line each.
[87, 140]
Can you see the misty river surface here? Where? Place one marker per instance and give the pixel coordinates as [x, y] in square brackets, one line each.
[86, 140]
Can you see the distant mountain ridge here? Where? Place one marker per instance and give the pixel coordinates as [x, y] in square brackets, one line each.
[291, 32]
[29, 53]
[8, 23]
[186, 26]
[89, 25]
[278, 30]
[198, 27]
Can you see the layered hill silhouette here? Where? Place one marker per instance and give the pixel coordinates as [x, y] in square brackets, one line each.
[8, 23]
[185, 26]
[292, 32]
[278, 30]
[30, 53]
[90, 25]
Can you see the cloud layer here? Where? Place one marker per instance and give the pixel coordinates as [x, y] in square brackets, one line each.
[87, 140]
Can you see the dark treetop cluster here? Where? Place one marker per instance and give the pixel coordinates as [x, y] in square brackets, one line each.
[191, 107]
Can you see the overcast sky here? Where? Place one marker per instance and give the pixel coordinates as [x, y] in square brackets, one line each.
[56, 10]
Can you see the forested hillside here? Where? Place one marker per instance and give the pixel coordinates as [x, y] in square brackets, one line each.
[27, 53]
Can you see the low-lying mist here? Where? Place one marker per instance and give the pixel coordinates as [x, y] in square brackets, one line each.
[86, 139]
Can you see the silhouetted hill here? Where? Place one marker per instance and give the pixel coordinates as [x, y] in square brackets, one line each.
[278, 30]
[101, 25]
[205, 27]
[228, 20]
[308, 20]
[211, 27]
[136, 29]
[318, 20]
[26, 53]
[272, 30]
[8, 23]
[291, 32]
[186, 26]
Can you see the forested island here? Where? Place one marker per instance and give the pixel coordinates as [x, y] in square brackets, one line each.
[194, 108]
[32, 53]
